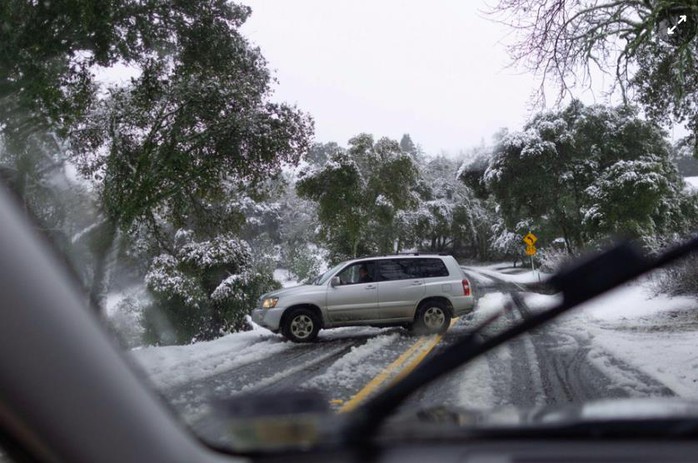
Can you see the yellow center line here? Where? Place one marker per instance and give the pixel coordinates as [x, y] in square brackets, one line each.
[380, 378]
[418, 359]
[424, 345]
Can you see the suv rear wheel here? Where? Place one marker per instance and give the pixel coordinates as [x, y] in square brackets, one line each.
[300, 325]
[432, 317]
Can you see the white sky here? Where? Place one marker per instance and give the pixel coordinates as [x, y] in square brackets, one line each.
[436, 70]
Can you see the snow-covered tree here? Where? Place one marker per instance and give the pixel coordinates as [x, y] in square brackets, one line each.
[508, 243]
[449, 217]
[160, 149]
[298, 235]
[585, 173]
[360, 193]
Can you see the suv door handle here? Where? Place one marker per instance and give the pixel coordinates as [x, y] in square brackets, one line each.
[417, 283]
[371, 287]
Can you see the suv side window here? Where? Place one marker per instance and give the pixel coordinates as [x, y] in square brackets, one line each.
[398, 269]
[431, 268]
[360, 272]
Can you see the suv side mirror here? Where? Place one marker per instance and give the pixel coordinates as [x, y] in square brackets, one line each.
[335, 281]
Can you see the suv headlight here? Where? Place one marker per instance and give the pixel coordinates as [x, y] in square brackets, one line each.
[269, 302]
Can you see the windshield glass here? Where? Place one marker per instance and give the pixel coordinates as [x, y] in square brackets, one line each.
[188, 168]
[322, 279]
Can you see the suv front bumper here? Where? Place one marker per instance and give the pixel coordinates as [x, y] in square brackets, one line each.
[268, 318]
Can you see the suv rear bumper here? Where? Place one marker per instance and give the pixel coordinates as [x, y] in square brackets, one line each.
[268, 318]
[462, 304]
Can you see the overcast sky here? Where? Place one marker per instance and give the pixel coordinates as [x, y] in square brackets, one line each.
[436, 70]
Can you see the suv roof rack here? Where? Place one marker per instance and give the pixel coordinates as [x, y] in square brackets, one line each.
[415, 253]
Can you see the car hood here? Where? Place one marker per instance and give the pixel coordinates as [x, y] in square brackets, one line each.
[291, 291]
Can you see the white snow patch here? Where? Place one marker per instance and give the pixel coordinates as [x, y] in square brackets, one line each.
[475, 389]
[490, 305]
[540, 302]
[670, 357]
[351, 332]
[656, 335]
[634, 300]
[477, 277]
[354, 366]
[528, 276]
[87, 230]
[691, 183]
[174, 365]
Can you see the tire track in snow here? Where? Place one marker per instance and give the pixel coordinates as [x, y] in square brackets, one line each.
[334, 361]
[558, 363]
[171, 367]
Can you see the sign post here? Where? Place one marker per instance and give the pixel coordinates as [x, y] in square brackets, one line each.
[530, 240]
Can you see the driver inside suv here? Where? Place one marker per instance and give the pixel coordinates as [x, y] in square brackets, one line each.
[361, 272]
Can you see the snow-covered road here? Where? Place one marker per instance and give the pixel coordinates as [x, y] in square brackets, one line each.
[593, 353]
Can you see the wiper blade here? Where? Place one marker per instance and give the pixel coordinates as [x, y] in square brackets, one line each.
[577, 283]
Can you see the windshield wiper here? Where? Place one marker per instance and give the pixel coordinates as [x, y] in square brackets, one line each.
[579, 283]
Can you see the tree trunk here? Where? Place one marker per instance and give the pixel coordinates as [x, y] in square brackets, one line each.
[105, 257]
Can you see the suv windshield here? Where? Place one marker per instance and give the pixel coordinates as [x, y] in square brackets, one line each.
[205, 169]
[322, 279]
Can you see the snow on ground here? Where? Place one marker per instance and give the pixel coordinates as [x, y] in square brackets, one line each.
[170, 366]
[292, 370]
[637, 302]
[657, 335]
[360, 363]
[350, 332]
[474, 385]
[537, 302]
[475, 389]
[490, 305]
[478, 277]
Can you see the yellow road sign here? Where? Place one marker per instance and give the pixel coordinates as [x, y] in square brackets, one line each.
[530, 239]
[530, 250]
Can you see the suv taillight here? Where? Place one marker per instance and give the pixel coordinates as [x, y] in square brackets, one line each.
[466, 287]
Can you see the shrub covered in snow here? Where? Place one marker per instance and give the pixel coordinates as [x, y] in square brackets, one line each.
[678, 279]
[202, 290]
[552, 258]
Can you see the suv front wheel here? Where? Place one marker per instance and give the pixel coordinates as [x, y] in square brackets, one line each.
[300, 325]
[432, 317]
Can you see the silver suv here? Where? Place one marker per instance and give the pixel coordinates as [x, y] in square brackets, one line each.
[420, 292]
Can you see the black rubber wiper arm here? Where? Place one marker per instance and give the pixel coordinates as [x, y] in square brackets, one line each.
[579, 283]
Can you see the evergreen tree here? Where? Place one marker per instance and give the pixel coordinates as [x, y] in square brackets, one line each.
[586, 174]
[192, 133]
[360, 193]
